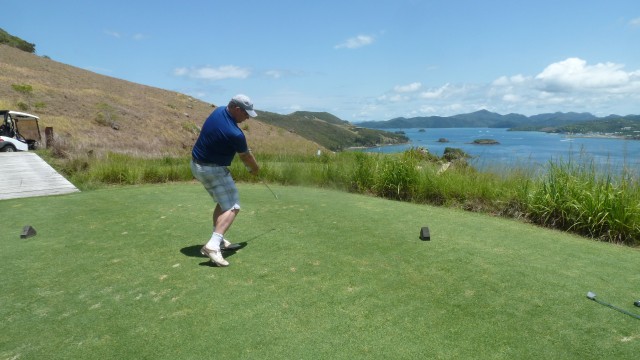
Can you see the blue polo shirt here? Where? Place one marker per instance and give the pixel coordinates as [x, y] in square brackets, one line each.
[220, 139]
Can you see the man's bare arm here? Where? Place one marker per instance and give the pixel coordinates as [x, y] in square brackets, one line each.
[250, 162]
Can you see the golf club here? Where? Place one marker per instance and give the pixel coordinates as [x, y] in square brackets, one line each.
[637, 303]
[265, 184]
[592, 296]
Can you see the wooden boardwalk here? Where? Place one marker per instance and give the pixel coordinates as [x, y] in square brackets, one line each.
[25, 174]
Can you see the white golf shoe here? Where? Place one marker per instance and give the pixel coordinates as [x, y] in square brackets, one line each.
[215, 256]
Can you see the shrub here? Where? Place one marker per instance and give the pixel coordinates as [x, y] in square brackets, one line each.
[105, 115]
[575, 197]
[451, 154]
[397, 177]
[363, 175]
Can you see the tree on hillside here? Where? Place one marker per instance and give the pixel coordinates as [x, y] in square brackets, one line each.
[16, 42]
[27, 91]
[106, 116]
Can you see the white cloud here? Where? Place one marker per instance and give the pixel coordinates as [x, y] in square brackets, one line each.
[437, 93]
[574, 74]
[572, 84]
[279, 73]
[392, 98]
[397, 98]
[119, 35]
[294, 107]
[427, 109]
[510, 80]
[114, 34]
[180, 71]
[139, 36]
[211, 73]
[568, 85]
[356, 42]
[276, 74]
[635, 22]
[512, 98]
[408, 88]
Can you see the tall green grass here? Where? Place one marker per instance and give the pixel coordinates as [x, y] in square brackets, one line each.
[574, 196]
[570, 195]
[87, 172]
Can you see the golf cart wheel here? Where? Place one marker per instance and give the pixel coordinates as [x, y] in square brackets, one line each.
[8, 148]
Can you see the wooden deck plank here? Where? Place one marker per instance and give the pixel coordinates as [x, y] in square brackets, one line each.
[25, 174]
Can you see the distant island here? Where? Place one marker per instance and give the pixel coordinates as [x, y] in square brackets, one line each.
[586, 124]
[485, 142]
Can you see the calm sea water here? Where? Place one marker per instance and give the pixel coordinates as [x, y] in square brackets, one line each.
[524, 149]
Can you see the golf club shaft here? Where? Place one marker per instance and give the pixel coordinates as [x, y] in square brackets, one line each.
[265, 184]
[617, 308]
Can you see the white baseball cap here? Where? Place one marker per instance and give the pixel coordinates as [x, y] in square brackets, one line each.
[245, 103]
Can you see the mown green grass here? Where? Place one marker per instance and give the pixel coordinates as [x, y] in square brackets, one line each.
[116, 273]
[570, 195]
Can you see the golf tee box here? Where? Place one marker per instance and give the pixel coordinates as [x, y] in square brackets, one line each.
[424, 234]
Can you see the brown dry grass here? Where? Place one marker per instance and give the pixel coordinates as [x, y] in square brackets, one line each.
[151, 122]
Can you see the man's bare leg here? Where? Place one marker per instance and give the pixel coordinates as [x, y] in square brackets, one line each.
[222, 220]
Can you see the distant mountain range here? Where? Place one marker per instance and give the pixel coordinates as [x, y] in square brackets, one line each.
[484, 118]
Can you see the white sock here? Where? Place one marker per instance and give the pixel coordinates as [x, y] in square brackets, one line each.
[214, 242]
[214, 230]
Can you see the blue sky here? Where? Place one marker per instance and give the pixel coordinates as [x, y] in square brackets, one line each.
[359, 60]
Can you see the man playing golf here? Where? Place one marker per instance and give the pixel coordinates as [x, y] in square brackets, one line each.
[219, 140]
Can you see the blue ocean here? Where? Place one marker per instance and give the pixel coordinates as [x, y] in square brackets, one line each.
[524, 149]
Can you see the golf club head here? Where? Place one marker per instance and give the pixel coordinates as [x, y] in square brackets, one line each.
[591, 295]
[637, 303]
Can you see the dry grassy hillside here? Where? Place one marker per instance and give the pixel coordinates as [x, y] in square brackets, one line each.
[92, 112]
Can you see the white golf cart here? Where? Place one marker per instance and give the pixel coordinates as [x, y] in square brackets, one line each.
[18, 131]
